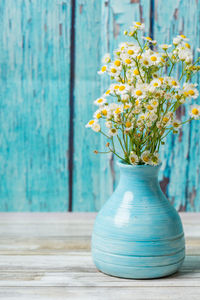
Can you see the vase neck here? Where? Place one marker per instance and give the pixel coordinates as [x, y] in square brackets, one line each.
[140, 174]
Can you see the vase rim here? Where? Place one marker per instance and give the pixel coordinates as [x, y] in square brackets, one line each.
[124, 165]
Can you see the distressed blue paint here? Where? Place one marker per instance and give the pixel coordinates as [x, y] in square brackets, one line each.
[34, 63]
[34, 89]
[181, 154]
[99, 29]
[138, 233]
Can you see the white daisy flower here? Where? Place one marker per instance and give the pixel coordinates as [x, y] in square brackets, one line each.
[195, 112]
[149, 39]
[90, 123]
[106, 58]
[100, 101]
[138, 25]
[128, 125]
[133, 158]
[113, 132]
[108, 124]
[155, 159]
[165, 46]
[176, 41]
[182, 37]
[113, 70]
[97, 114]
[145, 61]
[146, 157]
[154, 102]
[155, 83]
[154, 59]
[96, 127]
[103, 70]
[176, 123]
[138, 93]
[174, 83]
[190, 90]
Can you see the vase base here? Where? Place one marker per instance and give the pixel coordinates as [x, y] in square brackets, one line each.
[137, 272]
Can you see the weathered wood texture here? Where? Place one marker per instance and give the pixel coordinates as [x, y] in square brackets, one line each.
[34, 96]
[99, 29]
[95, 177]
[34, 89]
[47, 256]
[181, 155]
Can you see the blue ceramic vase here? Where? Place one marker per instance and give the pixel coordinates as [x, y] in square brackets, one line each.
[138, 233]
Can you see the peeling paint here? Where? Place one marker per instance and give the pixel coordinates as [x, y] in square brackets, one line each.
[163, 184]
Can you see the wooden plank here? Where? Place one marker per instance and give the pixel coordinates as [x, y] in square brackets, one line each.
[34, 57]
[60, 233]
[180, 170]
[99, 293]
[99, 29]
[44, 267]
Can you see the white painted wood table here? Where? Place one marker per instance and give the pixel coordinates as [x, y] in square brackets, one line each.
[47, 256]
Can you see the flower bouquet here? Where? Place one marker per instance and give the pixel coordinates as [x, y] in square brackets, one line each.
[139, 107]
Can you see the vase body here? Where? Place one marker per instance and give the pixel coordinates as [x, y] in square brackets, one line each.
[138, 233]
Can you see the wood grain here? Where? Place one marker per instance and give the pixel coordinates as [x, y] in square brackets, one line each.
[180, 169]
[45, 256]
[34, 79]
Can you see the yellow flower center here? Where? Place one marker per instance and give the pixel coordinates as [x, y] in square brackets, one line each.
[128, 124]
[148, 38]
[104, 112]
[146, 158]
[174, 82]
[138, 23]
[155, 84]
[130, 52]
[122, 48]
[149, 107]
[117, 63]
[113, 130]
[113, 70]
[91, 122]
[103, 69]
[132, 159]
[116, 87]
[98, 116]
[161, 79]
[155, 102]
[186, 94]
[138, 93]
[153, 58]
[122, 87]
[100, 100]
[128, 61]
[107, 92]
[118, 111]
[183, 36]
[175, 124]
[145, 62]
[137, 102]
[136, 72]
[126, 106]
[191, 92]
[165, 119]
[139, 57]
[195, 111]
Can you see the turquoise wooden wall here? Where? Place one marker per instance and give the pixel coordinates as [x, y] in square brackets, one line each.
[50, 52]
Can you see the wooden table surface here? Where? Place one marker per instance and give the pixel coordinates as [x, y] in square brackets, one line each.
[47, 256]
